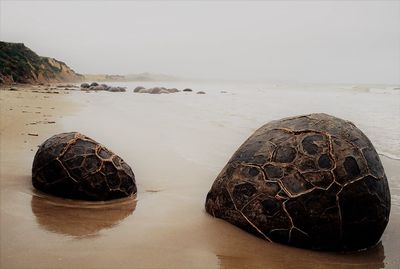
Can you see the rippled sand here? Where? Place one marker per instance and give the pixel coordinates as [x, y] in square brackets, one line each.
[176, 145]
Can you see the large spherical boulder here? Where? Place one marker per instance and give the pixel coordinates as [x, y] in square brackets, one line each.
[75, 166]
[312, 181]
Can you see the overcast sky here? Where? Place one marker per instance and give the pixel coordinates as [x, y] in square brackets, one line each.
[316, 41]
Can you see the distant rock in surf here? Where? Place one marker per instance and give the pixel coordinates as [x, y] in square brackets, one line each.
[155, 90]
[94, 86]
[116, 89]
[97, 88]
[85, 85]
[142, 91]
[173, 90]
[137, 89]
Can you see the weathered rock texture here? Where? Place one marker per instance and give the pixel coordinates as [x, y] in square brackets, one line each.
[75, 166]
[311, 181]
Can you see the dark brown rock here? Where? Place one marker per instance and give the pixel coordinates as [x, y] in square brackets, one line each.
[75, 166]
[311, 181]
[85, 85]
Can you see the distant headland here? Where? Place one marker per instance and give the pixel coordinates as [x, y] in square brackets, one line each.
[19, 64]
[146, 76]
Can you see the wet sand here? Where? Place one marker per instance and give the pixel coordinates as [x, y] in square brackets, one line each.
[176, 147]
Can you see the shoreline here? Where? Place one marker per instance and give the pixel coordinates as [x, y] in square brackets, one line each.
[167, 226]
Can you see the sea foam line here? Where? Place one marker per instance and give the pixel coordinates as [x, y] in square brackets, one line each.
[389, 155]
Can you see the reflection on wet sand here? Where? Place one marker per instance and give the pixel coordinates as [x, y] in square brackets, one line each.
[79, 218]
[369, 259]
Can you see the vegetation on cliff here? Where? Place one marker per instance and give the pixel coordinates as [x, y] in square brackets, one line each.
[19, 64]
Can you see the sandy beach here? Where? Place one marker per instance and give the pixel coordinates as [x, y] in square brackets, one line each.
[176, 144]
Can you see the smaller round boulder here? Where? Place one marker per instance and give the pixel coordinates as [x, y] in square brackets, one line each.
[72, 165]
[187, 90]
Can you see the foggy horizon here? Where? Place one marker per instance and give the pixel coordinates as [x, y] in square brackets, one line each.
[311, 42]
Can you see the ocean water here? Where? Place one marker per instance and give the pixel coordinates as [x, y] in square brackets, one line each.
[207, 129]
[374, 109]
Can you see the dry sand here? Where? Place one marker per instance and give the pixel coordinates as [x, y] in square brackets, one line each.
[166, 226]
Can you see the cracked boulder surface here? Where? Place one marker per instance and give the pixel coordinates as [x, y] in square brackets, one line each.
[312, 181]
[72, 165]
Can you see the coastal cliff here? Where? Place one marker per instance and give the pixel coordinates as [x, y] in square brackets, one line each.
[19, 64]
